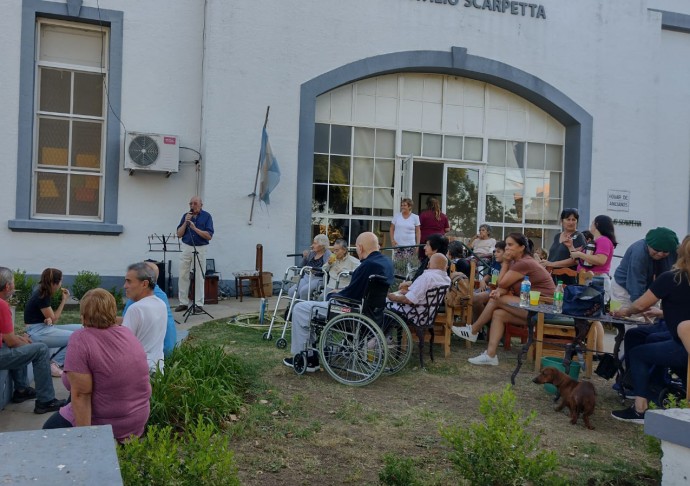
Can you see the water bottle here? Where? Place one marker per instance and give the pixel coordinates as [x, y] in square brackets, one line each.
[589, 250]
[525, 287]
[558, 298]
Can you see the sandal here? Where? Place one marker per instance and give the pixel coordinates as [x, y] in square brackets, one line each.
[465, 332]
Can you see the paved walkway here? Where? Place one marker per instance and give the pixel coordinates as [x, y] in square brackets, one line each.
[20, 416]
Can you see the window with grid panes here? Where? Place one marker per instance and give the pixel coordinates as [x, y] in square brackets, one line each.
[354, 170]
[68, 168]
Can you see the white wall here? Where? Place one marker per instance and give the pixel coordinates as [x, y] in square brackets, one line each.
[611, 57]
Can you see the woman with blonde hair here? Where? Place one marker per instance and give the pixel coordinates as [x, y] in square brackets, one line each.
[106, 372]
[41, 319]
[673, 289]
[432, 221]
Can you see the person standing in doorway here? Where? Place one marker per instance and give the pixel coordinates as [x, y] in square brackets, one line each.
[196, 231]
[432, 221]
[405, 230]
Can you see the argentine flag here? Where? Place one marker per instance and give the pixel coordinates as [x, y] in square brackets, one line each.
[270, 172]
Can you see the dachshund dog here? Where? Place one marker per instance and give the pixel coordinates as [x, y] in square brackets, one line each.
[578, 396]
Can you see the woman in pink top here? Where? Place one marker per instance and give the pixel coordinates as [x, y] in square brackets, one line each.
[605, 241]
[432, 221]
[106, 372]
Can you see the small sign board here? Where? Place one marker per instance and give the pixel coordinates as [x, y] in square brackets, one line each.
[618, 200]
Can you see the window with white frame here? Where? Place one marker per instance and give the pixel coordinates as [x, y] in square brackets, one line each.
[70, 121]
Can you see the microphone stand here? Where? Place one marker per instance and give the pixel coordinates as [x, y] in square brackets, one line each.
[194, 309]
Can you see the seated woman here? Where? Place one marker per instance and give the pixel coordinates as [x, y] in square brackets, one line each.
[316, 257]
[41, 319]
[434, 244]
[483, 244]
[340, 261]
[106, 373]
[498, 310]
[673, 288]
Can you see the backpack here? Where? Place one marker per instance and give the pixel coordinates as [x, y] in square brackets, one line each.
[583, 301]
[459, 290]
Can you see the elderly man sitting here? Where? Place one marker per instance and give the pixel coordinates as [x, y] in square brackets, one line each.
[434, 276]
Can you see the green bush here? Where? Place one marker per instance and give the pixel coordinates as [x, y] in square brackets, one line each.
[23, 287]
[198, 381]
[117, 293]
[500, 450]
[398, 471]
[83, 282]
[163, 457]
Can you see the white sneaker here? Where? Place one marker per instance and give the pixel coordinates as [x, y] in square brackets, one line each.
[465, 332]
[484, 359]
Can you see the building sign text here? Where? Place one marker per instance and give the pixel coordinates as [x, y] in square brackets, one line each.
[618, 200]
[524, 9]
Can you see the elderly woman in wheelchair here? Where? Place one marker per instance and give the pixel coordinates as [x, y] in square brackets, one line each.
[348, 334]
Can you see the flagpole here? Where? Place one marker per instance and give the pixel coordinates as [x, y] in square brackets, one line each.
[258, 168]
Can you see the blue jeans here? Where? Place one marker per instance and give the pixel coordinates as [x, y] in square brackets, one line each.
[669, 353]
[16, 359]
[53, 337]
[57, 421]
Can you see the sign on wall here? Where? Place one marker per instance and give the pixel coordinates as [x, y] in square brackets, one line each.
[618, 200]
[523, 9]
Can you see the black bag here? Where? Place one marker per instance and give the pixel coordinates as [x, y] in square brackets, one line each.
[583, 301]
[607, 367]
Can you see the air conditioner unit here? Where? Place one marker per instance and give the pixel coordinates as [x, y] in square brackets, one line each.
[152, 152]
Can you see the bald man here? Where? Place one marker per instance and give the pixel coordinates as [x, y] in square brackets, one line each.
[435, 275]
[372, 262]
[196, 230]
[170, 331]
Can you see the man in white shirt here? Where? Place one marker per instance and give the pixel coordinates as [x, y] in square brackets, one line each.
[434, 276]
[147, 317]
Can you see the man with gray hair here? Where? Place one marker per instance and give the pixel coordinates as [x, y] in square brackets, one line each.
[147, 317]
[16, 352]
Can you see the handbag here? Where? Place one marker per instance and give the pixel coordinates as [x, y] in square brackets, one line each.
[583, 301]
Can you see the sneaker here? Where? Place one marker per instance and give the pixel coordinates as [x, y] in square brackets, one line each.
[55, 370]
[465, 332]
[51, 406]
[289, 362]
[180, 308]
[313, 364]
[484, 359]
[629, 415]
[20, 396]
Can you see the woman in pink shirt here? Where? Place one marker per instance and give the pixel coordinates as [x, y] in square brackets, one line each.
[600, 261]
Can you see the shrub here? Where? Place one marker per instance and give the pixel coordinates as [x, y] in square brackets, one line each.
[500, 450]
[23, 287]
[398, 471]
[83, 282]
[198, 381]
[117, 294]
[163, 457]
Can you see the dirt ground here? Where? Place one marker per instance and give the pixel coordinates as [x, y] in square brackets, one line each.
[310, 429]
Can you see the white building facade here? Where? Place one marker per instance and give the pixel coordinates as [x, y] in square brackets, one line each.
[507, 111]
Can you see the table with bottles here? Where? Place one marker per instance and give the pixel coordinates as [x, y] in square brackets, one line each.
[582, 325]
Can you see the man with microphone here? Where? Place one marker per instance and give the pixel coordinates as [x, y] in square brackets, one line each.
[196, 230]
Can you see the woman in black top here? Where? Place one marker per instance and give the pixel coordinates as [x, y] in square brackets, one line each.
[559, 253]
[673, 288]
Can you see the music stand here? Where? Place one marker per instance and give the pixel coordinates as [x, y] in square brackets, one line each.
[165, 243]
[194, 309]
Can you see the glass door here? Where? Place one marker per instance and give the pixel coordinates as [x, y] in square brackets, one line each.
[463, 195]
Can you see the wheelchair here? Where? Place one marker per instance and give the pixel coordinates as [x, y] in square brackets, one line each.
[292, 276]
[358, 341]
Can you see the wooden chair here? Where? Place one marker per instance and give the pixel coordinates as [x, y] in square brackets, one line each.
[552, 334]
[445, 319]
[255, 275]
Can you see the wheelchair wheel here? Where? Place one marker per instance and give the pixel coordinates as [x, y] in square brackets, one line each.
[353, 348]
[281, 343]
[398, 340]
[267, 336]
[299, 363]
[670, 396]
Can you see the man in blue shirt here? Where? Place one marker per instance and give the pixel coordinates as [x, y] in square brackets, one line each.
[372, 262]
[196, 230]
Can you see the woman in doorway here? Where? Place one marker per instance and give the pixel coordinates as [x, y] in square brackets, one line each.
[599, 263]
[41, 319]
[559, 253]
[405, 230]
[498, 310]
[432, 221]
